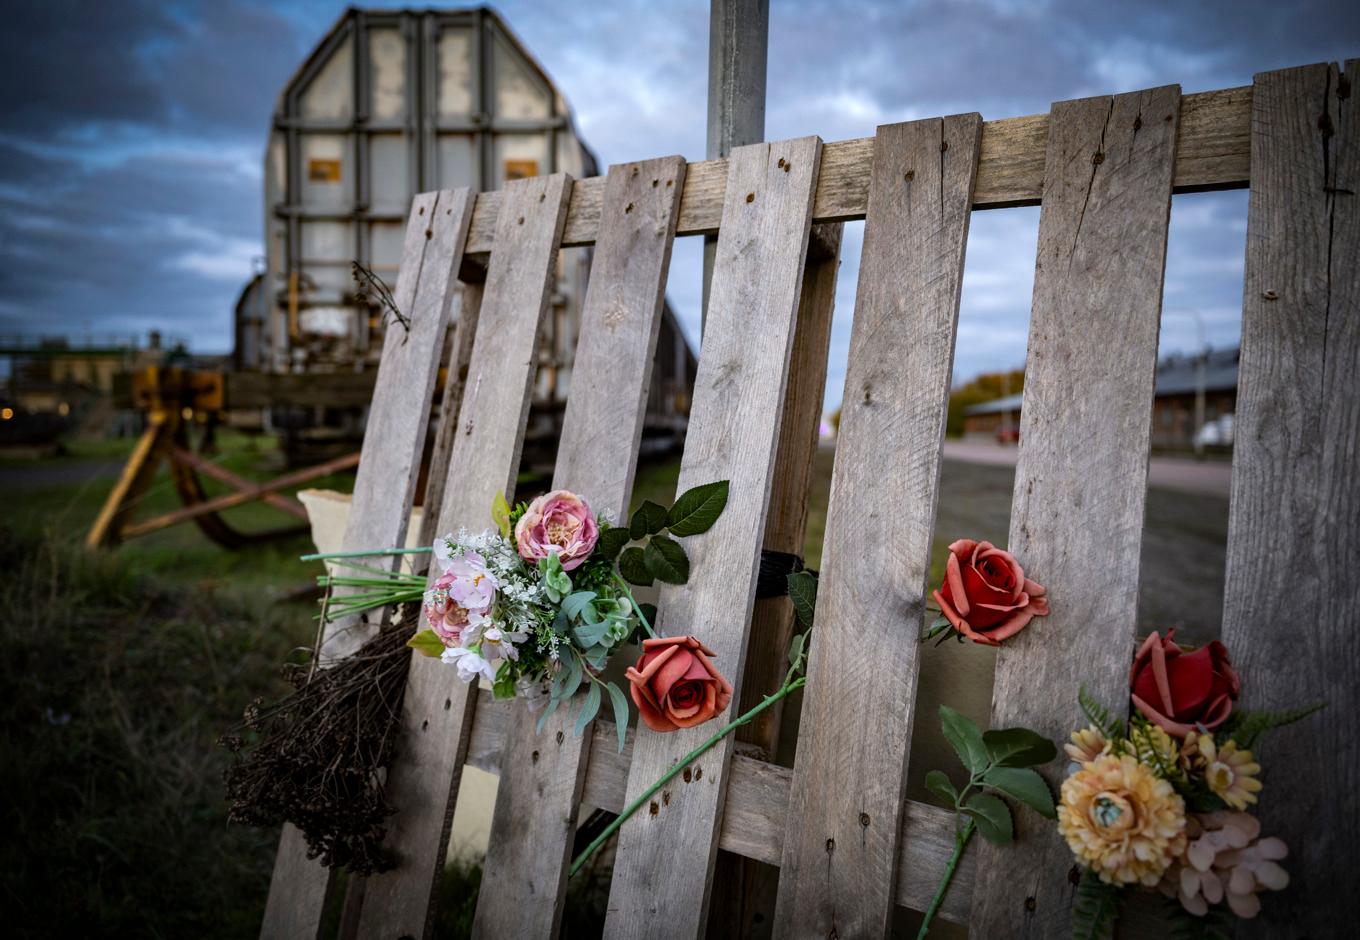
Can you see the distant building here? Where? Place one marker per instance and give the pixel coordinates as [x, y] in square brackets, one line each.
[1173, 408]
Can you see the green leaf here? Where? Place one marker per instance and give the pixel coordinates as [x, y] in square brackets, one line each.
[648, 519]
[572, 604]
[500, 514]
[966, 738]
[573, 680]
[796, 649]
[937, 626]
[697, 509]
[1022, 784]
[543, 718]
[427, 643]
[591, 634]
[939, 784]
[1098, 715]
[620, 703]
[992, 816]
[1215, 924]
[1018, 747]
[1246, 727]
[666, 559]
[803, 593]
[1095, 908]
[589, 709]
[633, 567]
[611, 542]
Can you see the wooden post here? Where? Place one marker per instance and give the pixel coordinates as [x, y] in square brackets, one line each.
[1291, 610]
[1081, 483]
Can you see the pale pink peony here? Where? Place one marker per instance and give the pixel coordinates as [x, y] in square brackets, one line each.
[558, 523]
[461, 597]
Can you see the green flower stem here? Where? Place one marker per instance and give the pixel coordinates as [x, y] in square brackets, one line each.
[321, 556]
[961, 838]
[636, 609]
[789, 685]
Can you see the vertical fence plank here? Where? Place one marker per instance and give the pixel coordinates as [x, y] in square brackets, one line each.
[437, 710]
[743, 889]
[665, 853]
[524, 879]
[385, 484]
[1291, 612]
[1081, 481]
[846, 802]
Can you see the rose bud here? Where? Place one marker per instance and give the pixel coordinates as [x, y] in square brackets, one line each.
[1180, 691]
[985, 595]
[675, 685]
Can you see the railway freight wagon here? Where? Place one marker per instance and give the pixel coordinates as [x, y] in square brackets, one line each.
[389, 104]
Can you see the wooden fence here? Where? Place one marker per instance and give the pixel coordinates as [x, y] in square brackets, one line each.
[848, 844]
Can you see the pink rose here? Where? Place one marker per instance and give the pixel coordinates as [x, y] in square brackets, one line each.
[559, 522]
[986, 595]
[675, 685]
[1180, 691]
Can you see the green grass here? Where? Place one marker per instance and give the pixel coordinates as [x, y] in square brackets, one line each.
[118, 684]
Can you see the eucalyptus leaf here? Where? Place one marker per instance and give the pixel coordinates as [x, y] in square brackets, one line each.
[573, 603]
[633, 567]
[543, 718]
[427, 643]
[589, 709]
[620, 703]
[966, 738]
[648, 519]
[666, 560]
[591, 634]
[573, 680]
[698, 508]
[1025, 785]
[803, 594]
[611, 542]
[1018, 747]
[938, 782]
[993, 817]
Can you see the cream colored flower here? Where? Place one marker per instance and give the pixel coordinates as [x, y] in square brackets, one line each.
[1122, 821]
[1225, 858]
[1230, 773]
[1087, 744]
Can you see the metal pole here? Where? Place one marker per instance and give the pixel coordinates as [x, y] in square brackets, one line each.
[738, 42]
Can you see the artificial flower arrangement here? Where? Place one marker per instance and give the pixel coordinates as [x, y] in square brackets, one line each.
[1162, 803]
[537, 606]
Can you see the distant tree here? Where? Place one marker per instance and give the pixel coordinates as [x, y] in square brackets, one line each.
[986, 387]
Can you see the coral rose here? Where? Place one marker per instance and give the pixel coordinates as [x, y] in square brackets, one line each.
[559, 522]
[986, 595]
[674, 684]
[1180, 691]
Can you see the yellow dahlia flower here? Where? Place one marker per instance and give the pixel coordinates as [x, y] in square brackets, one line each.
[1121, 820]
[1230, 773]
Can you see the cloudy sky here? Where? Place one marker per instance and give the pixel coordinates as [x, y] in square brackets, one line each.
[132, 132]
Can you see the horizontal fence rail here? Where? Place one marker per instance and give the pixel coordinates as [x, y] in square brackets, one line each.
[1213, 152]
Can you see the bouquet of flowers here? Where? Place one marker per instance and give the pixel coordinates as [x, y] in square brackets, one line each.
[537, 606]
[1162, 803]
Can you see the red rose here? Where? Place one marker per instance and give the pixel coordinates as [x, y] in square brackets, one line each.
[986, 595]
[1180, 691]
[674, 684]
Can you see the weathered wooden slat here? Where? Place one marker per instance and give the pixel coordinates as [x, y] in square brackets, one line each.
[843, 825]
[437, 710]
[524, 879]
[661, 871]
[1213, 153]
[1081, 481]
[744, 894]
[1291, 610]
[756, 810]
[385, 484]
